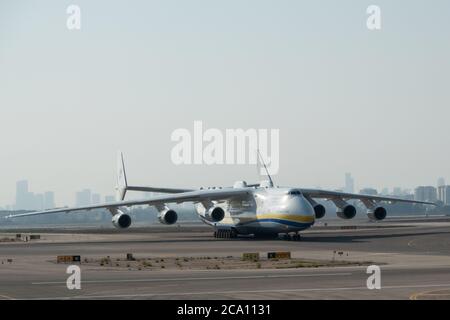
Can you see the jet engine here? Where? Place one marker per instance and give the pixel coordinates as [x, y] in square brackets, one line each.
[319, 211]
[121, 220]
[214, 214]
[346, 212]
[167, 216]
[376, 214]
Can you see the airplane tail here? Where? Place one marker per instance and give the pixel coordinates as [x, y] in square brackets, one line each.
[121, 187]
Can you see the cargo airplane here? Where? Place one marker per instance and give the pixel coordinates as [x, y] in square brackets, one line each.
[260, 209]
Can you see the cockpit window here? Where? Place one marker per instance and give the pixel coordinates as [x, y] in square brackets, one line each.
[294, 193]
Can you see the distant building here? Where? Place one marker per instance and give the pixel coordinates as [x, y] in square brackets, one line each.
[49, 200]
[109, 199]
[441, 182]
[441, 193]
[425, 193]
[349, 183]
[385, 191]
[25, 200]
[397, 191]
[444, 194]
[38, 202]
[83, 198]
[96, 198]
[22, 195]
[407, 196]
[447, 196]
[369, 191]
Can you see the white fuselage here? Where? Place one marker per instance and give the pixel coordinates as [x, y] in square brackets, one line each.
[264, 211]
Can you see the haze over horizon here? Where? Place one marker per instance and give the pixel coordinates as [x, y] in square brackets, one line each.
[345, 99]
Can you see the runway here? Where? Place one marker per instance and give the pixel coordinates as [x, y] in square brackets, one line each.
[414, 261]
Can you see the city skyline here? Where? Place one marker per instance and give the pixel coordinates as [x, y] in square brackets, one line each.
[28, 200]
[25, 199]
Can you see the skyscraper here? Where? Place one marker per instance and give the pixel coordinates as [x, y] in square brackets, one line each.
[441, 182]
[95, 198]
[425, 193]
[349, 183]
[83, 198]
[49, 200]
[38, 201]
[447, 196]
[109, 199]
[397, 191]
[21, 193]
[24, 198]
[444, 195]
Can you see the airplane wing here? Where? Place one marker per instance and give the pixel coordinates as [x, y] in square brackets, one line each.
[192, 196]
[171, 190]
[330, 195]
[159, 190]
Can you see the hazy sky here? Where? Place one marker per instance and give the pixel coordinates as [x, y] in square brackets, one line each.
[346, 99]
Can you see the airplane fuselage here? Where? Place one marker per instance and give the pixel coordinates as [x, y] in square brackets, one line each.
[265, 211]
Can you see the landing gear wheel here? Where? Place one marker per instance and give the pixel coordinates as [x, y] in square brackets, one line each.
[225, 234]
[296, 237]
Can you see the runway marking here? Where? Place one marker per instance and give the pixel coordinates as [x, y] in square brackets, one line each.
[6, 297]
[237, 292]
[202, 278]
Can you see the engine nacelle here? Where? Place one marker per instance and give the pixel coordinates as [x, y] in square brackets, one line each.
[121, 220]
[319, 211]
[377, 214]
[214, 214]
[168, 216]
[346, 212]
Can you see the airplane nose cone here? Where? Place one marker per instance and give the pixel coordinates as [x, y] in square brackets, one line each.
[301, 207]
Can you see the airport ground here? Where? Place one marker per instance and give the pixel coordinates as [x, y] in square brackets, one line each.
[414, 257]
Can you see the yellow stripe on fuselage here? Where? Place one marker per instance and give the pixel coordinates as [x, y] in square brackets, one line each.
[288, 217]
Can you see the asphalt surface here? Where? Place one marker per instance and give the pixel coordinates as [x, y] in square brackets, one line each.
[414, 261]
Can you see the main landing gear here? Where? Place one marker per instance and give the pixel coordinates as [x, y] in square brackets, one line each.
[225, 234]
[291, 237]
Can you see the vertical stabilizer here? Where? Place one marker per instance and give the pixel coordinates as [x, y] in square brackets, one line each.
[121, 187]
